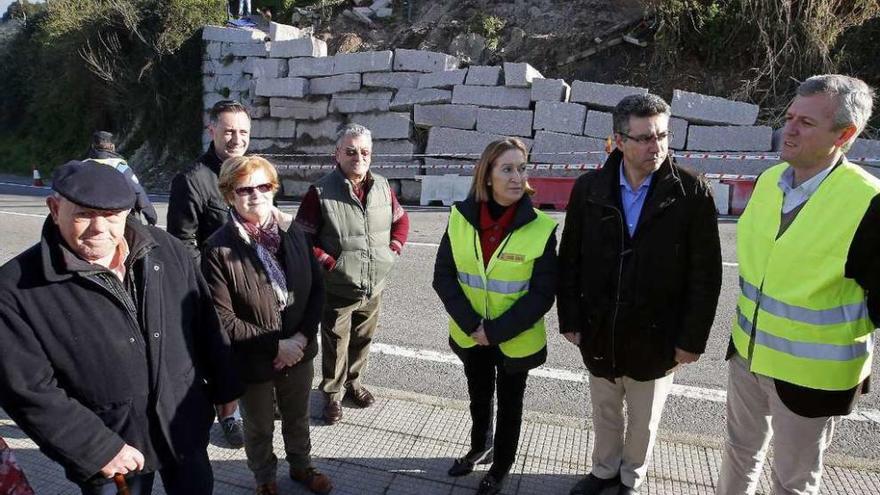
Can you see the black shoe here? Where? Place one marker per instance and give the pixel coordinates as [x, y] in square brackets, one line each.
[489, 485]
[593, 485]
[233, 431]
[626, 490]
[465, 465]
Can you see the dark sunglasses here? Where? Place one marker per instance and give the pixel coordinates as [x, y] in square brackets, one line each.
[248, 190]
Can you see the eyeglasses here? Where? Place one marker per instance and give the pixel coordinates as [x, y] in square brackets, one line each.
[648, 139]
[248, 190]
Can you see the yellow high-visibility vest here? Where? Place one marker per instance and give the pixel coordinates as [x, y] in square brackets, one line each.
[806, 323]
[493, 289]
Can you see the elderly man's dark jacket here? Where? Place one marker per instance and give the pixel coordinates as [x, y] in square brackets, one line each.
[89, 363]
[635, 299]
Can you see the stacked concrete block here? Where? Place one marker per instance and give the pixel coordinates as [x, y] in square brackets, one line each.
[289, 87]
[245, 49]
[520, 75]
[483, 75]
[505, 122]
[729, 138]
[550, 90]
[310, 67]
[598, 124]
[282, 32]
[391, 125]
[232, 35]
[423, 61]
[560, 117]
[703, 109]
[454, 116]
[224, 67]
[300, 47]
[392, 80]
[602, 96]
[211, 99]
[443, 141]
[361, 102]
[226, 83]
[265, 67]
[554, 147]
[299, 109]
[725, 166]
[325, 129]
[493, 97]
[393, 150]
[443, 79]
[258, 145]
[335, 84]
[258, 112]
[407, 97]
[348, 63]
[679, 129]
[273, 128]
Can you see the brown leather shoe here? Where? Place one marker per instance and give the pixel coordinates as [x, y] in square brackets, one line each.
[361, 397]
[332, 412]
[267, 489]
[311, 478]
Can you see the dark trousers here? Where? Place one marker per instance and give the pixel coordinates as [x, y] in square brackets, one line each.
[485, 374]
[347, 328]
[192, 477]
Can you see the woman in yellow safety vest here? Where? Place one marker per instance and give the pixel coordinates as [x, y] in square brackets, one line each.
[496, 275]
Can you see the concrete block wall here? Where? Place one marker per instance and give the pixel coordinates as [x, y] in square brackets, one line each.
[431, 115]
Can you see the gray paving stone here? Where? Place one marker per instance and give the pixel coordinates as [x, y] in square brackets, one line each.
[300, 47]
[282, 32]
[300, 109]
[317, 130]
[335, 84]
[360, 102]
[454, 116]
[405, 98]
[246, 49]
[232, 35]
[506, 122]
[310, 67]
[603, 96]
[423, 61]
[560, 117]
[483, 75]
[729, 138]
[290, 87]
[550, 90]
[390, 125]
[265, 67]
[394, 80]
[444, 141]
[599, 124]
[520, 75]
[443, 79]
[347, 63]
[554, 147]
[679, 128]
[495, 97]
[703, 109]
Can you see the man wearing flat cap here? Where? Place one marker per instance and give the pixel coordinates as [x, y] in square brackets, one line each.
[111, 353]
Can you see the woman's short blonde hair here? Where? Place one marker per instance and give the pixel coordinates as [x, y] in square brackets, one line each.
[234, 170]
[480, 188]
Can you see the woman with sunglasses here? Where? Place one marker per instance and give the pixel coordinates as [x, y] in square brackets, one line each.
[496, 275]
[268, 291]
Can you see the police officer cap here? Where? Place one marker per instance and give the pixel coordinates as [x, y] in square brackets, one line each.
[93, 185]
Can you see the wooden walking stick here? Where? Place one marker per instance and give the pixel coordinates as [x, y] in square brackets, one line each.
[121, 485]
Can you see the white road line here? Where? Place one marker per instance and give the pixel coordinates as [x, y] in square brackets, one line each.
[24, 185]
[687, 391]
[431, 244]
[22, 214]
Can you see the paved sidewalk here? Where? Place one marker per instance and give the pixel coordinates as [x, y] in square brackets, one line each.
[405, 443]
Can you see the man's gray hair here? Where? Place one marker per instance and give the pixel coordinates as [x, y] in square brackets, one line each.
[854, 98]
[352, 130]
[646, 105]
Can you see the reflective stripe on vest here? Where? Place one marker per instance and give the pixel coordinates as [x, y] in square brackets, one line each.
[493, 289]
[798, 318]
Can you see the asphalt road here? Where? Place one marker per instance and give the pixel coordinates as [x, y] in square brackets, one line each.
[412, 352]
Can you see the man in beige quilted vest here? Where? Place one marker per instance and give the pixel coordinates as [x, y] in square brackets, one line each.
[358, 229]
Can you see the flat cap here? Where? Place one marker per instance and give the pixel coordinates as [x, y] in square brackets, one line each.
[93, 185]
